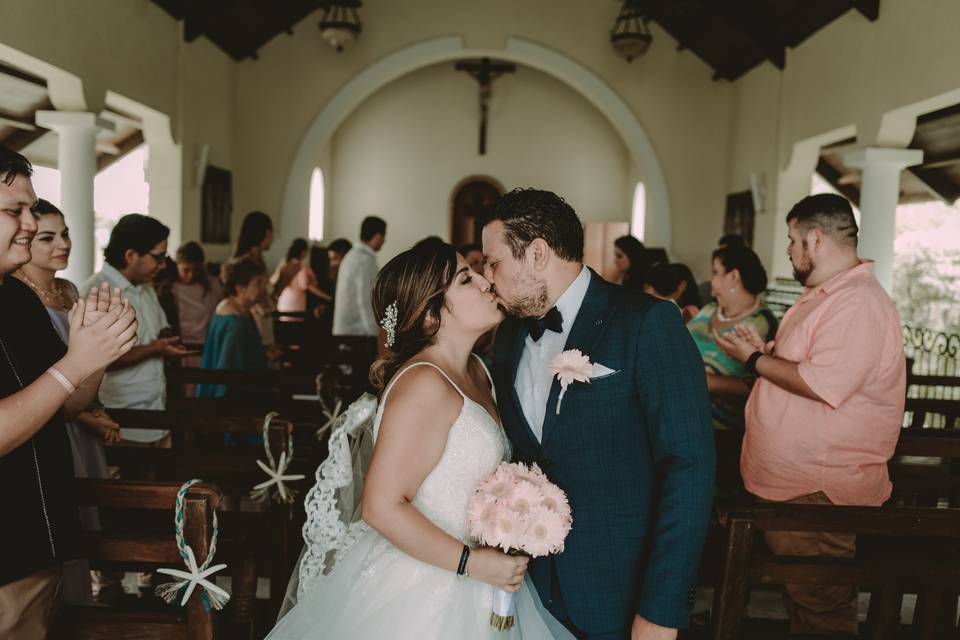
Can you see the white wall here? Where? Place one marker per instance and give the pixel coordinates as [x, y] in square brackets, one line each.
[403, 151]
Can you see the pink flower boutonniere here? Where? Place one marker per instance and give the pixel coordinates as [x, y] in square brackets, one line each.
[569, 367]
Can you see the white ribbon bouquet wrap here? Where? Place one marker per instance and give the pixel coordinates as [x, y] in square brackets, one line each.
[518, 510]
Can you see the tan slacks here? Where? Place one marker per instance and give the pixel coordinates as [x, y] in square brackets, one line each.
[28, 605]
[817, 609]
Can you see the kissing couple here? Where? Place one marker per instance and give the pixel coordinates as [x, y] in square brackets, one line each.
[630, 444]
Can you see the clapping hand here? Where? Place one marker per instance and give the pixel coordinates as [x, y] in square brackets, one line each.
[742, 342]
[99, 301]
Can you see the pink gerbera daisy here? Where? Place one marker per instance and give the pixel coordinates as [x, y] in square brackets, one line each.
[546, 531]
[524, 497]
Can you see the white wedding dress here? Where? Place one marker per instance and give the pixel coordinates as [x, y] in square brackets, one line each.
[375, 591]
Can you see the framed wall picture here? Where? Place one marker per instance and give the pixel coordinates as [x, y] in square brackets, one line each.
[216, 206]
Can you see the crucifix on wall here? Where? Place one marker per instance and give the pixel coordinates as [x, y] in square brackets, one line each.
[485, 71]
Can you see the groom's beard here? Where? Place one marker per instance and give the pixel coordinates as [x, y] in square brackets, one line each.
[531, 302]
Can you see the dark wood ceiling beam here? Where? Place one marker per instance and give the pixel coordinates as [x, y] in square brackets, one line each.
[754, 29]
[20, 139]
[831, 175]
[936, 161]
[937, 184]
[130, 143]
[870, 9]
[202, 14]
[22, 75]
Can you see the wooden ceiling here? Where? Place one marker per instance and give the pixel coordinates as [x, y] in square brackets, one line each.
[734, 36]
[937, 178]
[238, 27]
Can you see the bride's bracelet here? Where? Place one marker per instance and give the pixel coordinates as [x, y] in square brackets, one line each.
[462, 567]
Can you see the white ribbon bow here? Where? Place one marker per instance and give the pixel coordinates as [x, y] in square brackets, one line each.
[196, 577]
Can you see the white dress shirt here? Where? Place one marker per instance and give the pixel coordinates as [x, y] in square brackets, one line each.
[353, 303]
[142, 386]
[533, 375]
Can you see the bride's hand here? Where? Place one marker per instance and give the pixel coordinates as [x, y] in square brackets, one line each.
[497, 568]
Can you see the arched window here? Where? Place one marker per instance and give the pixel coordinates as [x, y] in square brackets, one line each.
[316, 205]
[639, 217]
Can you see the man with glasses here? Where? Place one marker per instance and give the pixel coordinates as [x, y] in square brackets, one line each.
[134, 256]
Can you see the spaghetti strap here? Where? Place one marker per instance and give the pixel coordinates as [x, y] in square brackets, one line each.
[389, 388]
[493, 388]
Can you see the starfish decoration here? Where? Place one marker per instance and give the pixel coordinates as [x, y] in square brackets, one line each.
[195, 577]
[277, 477]
[330, 415]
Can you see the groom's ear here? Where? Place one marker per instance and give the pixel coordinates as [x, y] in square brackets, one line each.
[539, 253]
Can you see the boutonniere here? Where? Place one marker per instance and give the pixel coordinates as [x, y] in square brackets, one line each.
[568, 367]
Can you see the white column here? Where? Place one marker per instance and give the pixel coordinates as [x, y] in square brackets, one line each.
[879, 195]
[77, 161]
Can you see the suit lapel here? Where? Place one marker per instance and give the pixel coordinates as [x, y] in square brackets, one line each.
[518, 347]
[584, 335]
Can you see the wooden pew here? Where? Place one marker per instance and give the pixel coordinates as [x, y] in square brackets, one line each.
[885, 565]
[140, 547]
[198, 451]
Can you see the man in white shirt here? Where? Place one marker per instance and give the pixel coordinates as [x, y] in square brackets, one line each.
[352, 305]
[134, 256]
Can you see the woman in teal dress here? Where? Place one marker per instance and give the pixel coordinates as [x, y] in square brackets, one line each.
[233, 340]
[738, 283]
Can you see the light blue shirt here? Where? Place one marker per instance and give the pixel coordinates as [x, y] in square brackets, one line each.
[353, 303]
[533, 374]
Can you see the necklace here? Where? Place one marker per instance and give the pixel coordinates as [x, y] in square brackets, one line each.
[723, 318]
[50, 298]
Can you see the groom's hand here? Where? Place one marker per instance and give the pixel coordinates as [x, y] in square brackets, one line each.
[643, 629]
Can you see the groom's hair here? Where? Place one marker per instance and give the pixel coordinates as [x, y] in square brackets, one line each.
[528, 214]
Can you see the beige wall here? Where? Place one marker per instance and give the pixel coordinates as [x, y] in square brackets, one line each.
[871, 78]
[682, 110]
[403, 151]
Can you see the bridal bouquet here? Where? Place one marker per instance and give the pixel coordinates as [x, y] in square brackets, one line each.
[518, 510]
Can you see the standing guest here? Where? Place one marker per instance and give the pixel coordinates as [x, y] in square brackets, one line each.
[738, 283]
[473, 254]
[42, 384]
[293, 298]
[256, 238]
[337, 249]
[290, 266]
[163, 286]
[196, 294]
[233, 341]
[353, 313]
[136, 252]
[50, 252]
[321, 306]
[631, 262]
[674, 281]
[824, 416]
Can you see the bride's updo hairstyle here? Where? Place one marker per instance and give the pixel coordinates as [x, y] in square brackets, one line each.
[417, 281]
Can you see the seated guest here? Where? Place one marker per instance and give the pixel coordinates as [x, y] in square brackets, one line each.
[233, 341]
[163, 286]
[473, 254]
[824, 416]
[293, 298]
[738, 283]
[195, 293]
[674, 281]
[290, 266]
[50, 252]
[321, 307]
[255, 239]
[336, 251]
[631, 261]
[43, 382]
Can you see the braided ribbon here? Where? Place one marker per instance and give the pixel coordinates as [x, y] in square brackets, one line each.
[276, 471]
[211, 595]
[330, 414]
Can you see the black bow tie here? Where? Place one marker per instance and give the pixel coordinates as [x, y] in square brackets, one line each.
[553, 321]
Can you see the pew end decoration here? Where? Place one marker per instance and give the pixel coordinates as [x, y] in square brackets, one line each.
[517, 509]
[275, 486]
[330, 413]
[212, 596]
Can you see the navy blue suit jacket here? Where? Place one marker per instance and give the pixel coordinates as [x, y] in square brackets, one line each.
[634, 451]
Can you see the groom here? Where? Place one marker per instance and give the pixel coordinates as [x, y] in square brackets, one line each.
[633, 449]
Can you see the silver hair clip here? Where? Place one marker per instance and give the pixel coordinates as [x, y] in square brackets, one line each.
[389, 323]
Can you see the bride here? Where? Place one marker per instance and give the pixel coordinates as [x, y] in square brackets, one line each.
[413, 571]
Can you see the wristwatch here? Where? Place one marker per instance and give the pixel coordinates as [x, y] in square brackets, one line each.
[751, 363]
